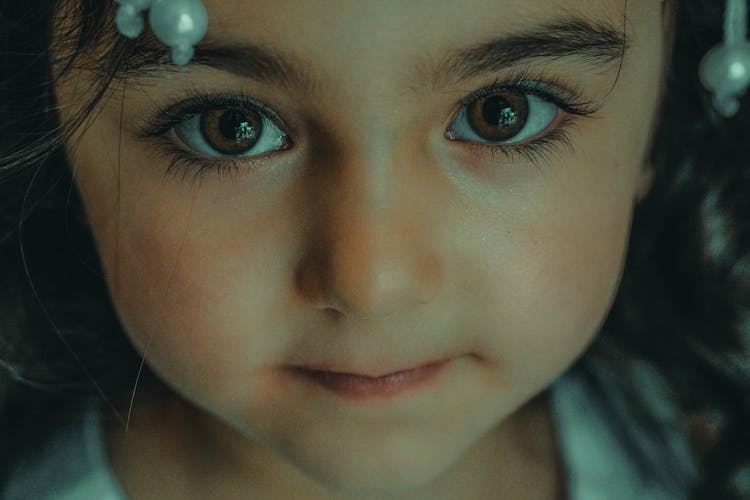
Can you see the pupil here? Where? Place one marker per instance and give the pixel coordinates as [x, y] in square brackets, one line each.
[498, 111]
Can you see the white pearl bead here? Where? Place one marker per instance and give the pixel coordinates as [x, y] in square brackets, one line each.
[129, 22]
[725, 71]
[129, 19]
[727, 68]
[181, 54]
[179, 24]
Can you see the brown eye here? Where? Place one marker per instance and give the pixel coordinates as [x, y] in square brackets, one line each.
[231, 131]
[499, 116]
[503, 117]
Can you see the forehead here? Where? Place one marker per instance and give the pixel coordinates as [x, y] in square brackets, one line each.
[388, 35]
[359, 25]
[303, 41]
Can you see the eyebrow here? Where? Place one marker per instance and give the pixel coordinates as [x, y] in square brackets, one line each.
[595, 43]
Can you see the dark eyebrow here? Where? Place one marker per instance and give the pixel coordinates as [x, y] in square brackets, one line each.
[595, 43]
[591, 43]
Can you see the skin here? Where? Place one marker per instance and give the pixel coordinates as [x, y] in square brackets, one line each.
[373, 242]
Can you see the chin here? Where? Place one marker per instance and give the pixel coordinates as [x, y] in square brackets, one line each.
[376, 484]
[376, 475]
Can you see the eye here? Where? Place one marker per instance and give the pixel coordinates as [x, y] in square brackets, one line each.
[503, 117]
[231, 131]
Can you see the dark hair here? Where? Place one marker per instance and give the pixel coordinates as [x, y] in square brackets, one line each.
[682, 307]
[684, 302]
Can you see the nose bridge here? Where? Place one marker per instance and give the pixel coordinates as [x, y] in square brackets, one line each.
[380, 256]
[374, 170]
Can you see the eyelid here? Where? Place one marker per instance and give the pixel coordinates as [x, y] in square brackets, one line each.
[165, 117]
[569, 99]
[547, 87]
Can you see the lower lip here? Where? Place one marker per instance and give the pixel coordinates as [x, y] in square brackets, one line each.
[363, 388]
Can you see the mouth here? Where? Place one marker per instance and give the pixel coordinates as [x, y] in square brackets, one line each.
[358, 386]
[367, 374]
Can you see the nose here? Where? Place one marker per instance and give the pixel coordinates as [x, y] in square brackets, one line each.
[378, 252]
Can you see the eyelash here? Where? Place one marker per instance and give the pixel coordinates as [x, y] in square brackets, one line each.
[545, 87]
[164, 118]
[550, 89]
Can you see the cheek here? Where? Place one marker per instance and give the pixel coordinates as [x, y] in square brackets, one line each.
[553, 271]
[166, 309]
[181, 291]
[578, 263]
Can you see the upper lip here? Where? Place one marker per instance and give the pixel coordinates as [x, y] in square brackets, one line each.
[374, 373]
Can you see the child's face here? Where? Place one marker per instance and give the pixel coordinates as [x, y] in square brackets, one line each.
[371, 241]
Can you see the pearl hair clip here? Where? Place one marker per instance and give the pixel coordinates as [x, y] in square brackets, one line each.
[179, 24]
[725, 70]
